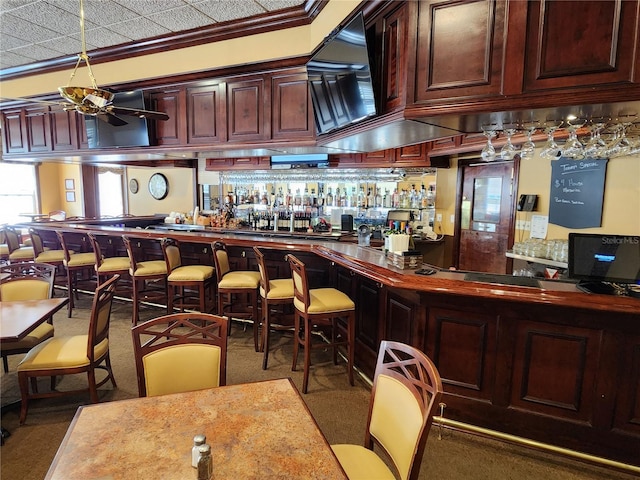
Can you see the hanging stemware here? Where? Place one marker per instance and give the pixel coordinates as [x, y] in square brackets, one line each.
[620, 144]
[596, 147]
[488, 153]
[551, 150]
[508, 151]
[528, 148]
[573, 147]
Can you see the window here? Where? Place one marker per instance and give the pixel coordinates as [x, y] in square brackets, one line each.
[111, 191]
[18, 193]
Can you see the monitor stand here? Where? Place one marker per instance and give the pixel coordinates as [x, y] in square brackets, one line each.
[602, 288]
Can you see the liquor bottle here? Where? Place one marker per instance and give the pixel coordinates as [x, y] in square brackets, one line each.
[329, 197]
[361, 198]
[371, 202]
[377, 201]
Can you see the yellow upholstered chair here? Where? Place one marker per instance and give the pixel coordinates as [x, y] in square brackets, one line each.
[274, 294]
[106, 267]
[4, 248]
[180, 352]
[75, 263]
[43, 254]
[323, 307]
[183, 279]
[231, 285]
[149, 278]
[26, 281]
[68, 355]
[17, 251]
[406, 392]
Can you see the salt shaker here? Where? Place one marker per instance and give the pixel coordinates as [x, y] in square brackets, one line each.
[198, 440]
[205, 463]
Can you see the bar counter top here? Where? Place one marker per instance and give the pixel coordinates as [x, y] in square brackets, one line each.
[371, 263]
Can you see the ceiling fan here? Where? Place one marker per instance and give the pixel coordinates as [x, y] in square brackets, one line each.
[93, 100]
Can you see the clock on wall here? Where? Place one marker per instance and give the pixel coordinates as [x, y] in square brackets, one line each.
[133, 185]
[158, 186]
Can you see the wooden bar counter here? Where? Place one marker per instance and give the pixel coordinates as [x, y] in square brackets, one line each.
[551, 364]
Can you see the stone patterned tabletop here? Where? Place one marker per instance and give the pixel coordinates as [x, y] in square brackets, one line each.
[256, 430]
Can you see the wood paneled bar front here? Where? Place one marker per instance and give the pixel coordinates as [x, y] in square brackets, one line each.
[550, 364]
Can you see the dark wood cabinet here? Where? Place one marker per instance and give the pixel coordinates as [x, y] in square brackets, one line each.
[395, 62]
[246, 101]
[460, 49]
[414, 155]
[173, 102]
[37, 123]
[291, 109]
[64, 130]
[206, 114]
[14, 137]
[580, 46]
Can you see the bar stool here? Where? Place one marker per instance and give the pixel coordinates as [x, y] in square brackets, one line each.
[75, 263]
[17, 252]
[107, 267]
[321, 307]
[145, 275]
[52, 256]
[236, 282]
[273, 293]
[181, 278]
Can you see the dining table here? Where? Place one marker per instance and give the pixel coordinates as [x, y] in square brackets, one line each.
[255, 430]
[19, 318]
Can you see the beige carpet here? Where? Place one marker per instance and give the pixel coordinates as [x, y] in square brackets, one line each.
[339, 409]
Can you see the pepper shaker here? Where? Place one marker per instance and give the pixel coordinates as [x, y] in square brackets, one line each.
[205, 463]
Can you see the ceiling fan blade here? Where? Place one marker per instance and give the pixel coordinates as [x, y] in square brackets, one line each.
[111, 119]
[97, 101]
[138, 113]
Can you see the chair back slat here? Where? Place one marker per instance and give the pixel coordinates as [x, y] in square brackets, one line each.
[97, 251]
[171, 252]
[36, 242]
[221, 259]
[26, 281]
[406, 392]
[180, 352]
[264, 273]
[101, 315]
[12, 238]
[300, 283]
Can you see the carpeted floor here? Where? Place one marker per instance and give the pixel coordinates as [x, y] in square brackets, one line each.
[339, 409]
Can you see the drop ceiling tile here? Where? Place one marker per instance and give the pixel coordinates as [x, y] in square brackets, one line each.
[223, 11]
[7, 5]
[24, 29]
[182, 18]
[139, 28]
[272, 5]
[36, 52]
[7, 42]
[8, 60]
[105, 12]
[43, 13]
[66, 45]
[103, 37]
[148, 7]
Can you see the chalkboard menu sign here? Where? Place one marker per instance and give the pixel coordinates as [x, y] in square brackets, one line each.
[577, 191]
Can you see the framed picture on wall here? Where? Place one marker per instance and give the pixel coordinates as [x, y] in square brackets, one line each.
[71, 196]
[69, 184]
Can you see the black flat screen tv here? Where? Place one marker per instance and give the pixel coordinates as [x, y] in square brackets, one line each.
[135, 133]
[604, 258]
[340, 79]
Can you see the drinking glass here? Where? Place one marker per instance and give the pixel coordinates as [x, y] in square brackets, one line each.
[573, 148]
[620, 144]
[551, 150]
[488, 153]
[596, 147]
[528, 148]
[508, 151]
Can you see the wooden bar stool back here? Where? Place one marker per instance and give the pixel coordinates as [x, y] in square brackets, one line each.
[235, 283]
[106, 267]
[274, 294]
[149, 278]
[76, 263]
[188, 286]
[17, 251]
[322, 307]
